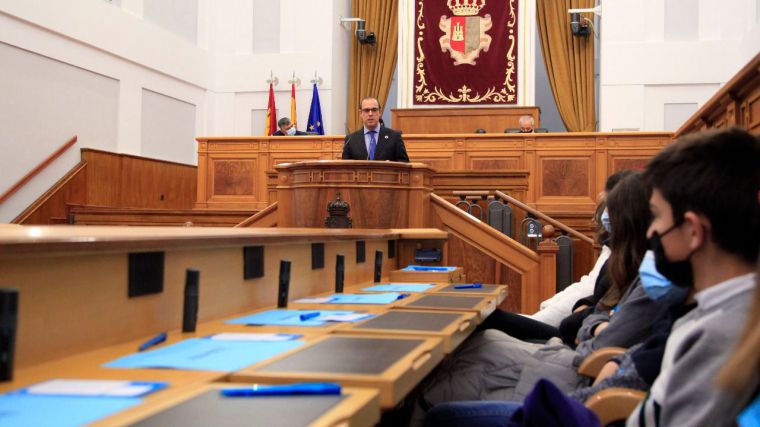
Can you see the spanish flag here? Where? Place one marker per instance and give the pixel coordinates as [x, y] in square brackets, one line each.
[293, 105]
[271, 125]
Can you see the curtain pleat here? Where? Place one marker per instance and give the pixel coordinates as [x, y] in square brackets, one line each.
[569, 63]
[371, 67]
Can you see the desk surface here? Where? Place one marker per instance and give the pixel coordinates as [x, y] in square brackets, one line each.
[394, 365]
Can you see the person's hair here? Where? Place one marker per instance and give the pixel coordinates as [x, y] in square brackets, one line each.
[715, 174]
[527, 118]
[601, 235]
[744, 364]
[613, 179]
[283, 122]
[628, 207]
[367, 98]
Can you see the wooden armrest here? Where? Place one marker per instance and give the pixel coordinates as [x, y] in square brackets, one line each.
[614, 404]
[596, 360]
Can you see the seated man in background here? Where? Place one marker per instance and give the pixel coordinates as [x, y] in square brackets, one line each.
[526, 124]
[287, 128]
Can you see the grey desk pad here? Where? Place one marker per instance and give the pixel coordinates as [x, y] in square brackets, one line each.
[410, 321]
[443, 301]
[346, 355]
[484, 288]
[212, 409]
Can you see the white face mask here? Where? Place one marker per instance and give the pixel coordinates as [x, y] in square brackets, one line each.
[291, 131]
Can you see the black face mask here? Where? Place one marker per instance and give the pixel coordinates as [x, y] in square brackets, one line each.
[678, 272]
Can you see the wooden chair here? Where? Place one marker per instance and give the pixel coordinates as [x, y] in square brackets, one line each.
[612, 404]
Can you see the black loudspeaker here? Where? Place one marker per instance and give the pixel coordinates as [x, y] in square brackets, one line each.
[253, 262]
[378, 266]
[190, 311]
[340, 269]
[360, 251]
[8, 325]
[284, 287]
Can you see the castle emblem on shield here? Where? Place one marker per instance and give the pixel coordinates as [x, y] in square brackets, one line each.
[464, 34]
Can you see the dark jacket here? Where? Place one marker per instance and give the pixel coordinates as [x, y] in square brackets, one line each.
[390, 146]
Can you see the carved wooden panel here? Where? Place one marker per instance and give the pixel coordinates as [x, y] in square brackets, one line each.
[439, 164]
[629, 163]
[233, 177]
[565, 177]
[495, 163]
[752, 119]
[460, 120]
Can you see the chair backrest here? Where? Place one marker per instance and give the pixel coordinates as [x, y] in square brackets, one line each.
[541, 130]
[480, 130]
[511, 130]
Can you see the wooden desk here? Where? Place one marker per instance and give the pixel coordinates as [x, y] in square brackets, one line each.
[454, 276]
[483, 306]
[450, 326]
[354, 361]
[190, 407]
[497, 291]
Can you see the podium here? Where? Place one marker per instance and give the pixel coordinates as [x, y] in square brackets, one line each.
[380, 194]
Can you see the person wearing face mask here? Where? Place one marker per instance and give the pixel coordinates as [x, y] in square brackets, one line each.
[704, 237]
[287, 128]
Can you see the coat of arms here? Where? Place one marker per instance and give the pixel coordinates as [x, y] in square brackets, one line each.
[464, 34]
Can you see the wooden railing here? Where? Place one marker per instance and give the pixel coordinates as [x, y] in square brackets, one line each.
[266, 217]
[737, 103]
[546, 218]
[537, 283]
[37, 169]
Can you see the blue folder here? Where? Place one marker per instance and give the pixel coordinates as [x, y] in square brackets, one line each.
[400, 287]
[286, 318]
[428, 268]
[379, 299]
[20, 409]
[206, 355]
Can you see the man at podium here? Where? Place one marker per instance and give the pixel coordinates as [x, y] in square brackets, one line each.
[374, 142]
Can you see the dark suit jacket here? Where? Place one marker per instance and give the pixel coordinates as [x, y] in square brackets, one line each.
[390, 146]
[279, 133]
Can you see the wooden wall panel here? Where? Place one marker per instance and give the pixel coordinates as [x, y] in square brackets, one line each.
[566, 170]
[460, 120]
[116, 181]
[233, 177]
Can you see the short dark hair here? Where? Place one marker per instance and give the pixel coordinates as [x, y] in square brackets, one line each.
[715, 174]
[283, 122]
[366, 98]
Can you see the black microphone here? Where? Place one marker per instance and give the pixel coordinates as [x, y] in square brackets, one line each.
[284, 287]
[378, 266]
[340, 268]
[190, 311]
[8, 325]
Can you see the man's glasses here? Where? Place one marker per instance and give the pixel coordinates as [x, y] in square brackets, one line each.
[370, 110]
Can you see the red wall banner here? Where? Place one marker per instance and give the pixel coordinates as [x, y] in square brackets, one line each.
[465, 52]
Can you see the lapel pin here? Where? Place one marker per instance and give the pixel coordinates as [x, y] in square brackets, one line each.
[386, 136]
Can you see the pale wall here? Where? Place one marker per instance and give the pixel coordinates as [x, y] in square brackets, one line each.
[641, 71]
[87, 65]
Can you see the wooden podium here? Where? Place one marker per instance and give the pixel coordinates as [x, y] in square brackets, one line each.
[380, 194]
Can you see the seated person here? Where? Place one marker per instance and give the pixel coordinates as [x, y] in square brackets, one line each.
[526, 124]
[287, 128]
[494, 366]
[702, 187]
[561, 305]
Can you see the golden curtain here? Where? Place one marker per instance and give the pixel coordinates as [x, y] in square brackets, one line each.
[569, 62]
[371, 67]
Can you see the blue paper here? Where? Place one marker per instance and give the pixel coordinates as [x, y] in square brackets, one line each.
[428, 268]
[18, 409]
[206, 355]
[400, 287]
[384, 298]
[286, 318]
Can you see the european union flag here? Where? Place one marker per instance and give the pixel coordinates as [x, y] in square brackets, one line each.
[314, 125]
